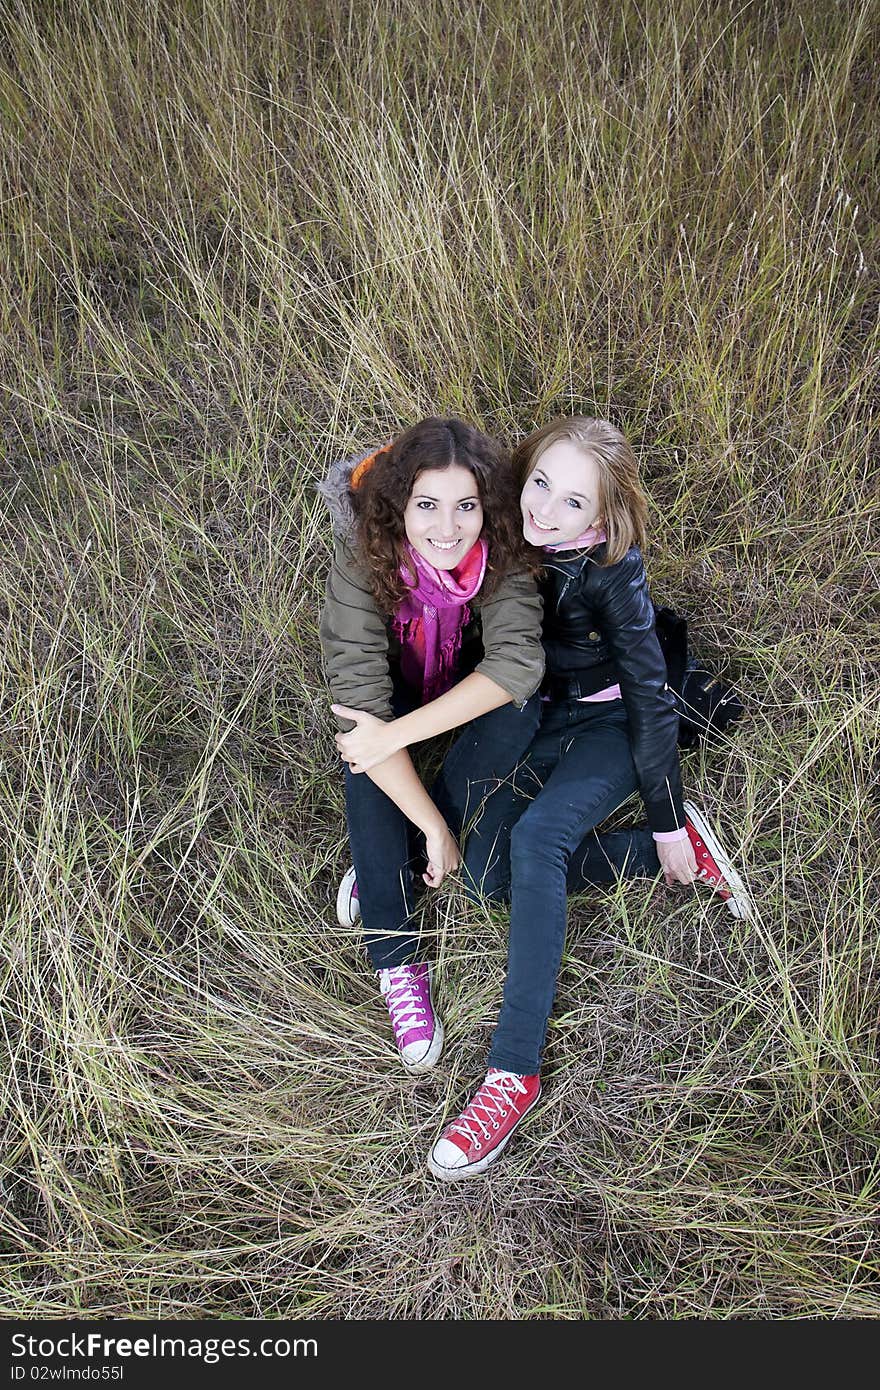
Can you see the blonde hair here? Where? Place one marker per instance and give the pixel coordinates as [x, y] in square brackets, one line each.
[623, 506]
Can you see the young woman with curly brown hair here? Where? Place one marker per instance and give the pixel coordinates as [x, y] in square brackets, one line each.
[431, 621]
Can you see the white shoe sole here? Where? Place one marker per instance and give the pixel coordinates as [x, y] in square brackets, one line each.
[740, 904]
[348, 909]
[431, 1056]
[476, 1170]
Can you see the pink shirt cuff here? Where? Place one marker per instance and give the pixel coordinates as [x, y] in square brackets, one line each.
[668, 837]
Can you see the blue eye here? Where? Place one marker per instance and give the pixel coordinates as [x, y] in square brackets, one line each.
[540, 482]
[467, 506]
[425, 506]
[572, 502]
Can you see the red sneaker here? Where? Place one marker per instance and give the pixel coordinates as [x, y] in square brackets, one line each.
[713, 865]
[473, 1141]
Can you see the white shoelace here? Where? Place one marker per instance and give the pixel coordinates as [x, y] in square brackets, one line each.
[492, 1099]
[405, 1000]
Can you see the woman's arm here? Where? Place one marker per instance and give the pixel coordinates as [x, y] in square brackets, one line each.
[372, 740]
[510, 670]
[354, 638]
[354, 643]
[625, 617]
[398, 779]
[627, 623]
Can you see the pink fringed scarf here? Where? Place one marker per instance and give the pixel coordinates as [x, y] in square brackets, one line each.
[430, 620]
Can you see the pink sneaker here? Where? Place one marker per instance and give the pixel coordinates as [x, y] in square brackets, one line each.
[417, 1031]
[713, 865]
[473, 1141]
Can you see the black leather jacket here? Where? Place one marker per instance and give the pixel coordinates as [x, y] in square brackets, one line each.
[598, 631]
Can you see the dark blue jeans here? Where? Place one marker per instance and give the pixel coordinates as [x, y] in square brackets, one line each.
[534, 841]
[388, 850]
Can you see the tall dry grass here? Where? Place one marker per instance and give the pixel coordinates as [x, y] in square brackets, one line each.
[237, 242]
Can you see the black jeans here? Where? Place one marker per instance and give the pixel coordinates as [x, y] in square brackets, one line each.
[388, 850]
[534, 841]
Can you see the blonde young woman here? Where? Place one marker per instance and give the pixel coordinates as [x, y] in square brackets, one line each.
[609, 728]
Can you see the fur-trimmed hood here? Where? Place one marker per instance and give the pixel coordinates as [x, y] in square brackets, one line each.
[336, 491]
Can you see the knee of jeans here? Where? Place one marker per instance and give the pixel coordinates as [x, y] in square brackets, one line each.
[533, 842]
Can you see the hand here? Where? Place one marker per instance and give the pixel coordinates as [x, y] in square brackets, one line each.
[677, 860]
[443, 855]
[367, 745]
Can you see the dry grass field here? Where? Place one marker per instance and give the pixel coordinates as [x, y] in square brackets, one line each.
[240, 240]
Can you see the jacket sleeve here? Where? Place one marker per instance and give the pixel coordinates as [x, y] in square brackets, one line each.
[354, 641]
[511, 622]
[625, 616]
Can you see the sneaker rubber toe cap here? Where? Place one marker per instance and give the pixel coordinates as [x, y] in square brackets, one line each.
[423, 1054]
[445, 1154]
[415, 1053]
[348, 908]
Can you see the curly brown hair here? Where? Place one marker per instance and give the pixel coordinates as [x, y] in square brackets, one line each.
[382, 488]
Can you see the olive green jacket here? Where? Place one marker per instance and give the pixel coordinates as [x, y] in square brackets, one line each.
[359, 648]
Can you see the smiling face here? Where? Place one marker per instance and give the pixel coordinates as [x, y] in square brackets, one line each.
[560, 499]
[444, 515]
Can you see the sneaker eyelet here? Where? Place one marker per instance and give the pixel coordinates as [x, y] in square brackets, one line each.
[494, 1124]
[478, 1146]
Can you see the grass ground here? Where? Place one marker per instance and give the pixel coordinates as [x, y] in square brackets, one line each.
[238, 241]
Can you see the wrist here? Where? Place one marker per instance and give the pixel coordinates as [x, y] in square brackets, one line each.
[396, 733]
[432, 825]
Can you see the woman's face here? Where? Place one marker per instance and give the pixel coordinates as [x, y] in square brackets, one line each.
[560, 498]
[444, 515]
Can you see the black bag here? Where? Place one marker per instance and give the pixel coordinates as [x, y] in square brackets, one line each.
[706, 704]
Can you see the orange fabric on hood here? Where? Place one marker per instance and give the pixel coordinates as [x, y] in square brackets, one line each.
[367, 463]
